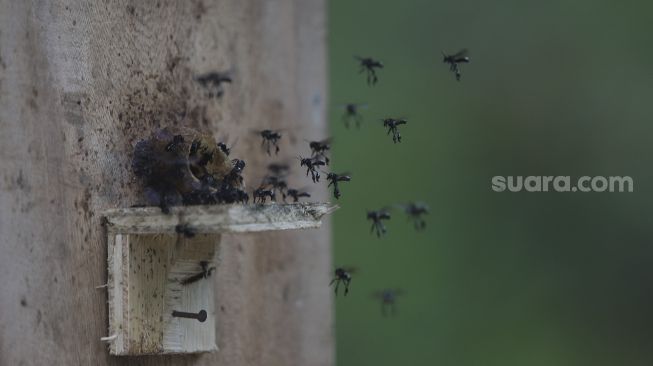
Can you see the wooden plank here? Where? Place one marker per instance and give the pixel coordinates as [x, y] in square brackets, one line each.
[218, 218]
[146, 284]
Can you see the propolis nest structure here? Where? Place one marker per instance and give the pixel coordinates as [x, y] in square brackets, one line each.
[181, 166]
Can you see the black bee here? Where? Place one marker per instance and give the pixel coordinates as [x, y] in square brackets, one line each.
[213, 81]
[311, 165]
[166, 197]
[369, 65]
[295, 194]
[352, 113]
[234, 177]
[392, 125]
[225, 149]
[174, 146]
[230, 194]
[415, 211]
[377, 218]
[342, 275]
[206, 272]
[185, 230]
[320, 148]
[199, 155]
[260, 194]
[388, 299]
[454, 60]
[278, 184]
[279, 169]
[270, 139]
[334, 178]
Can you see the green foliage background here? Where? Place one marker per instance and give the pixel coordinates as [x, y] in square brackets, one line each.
[554, 88]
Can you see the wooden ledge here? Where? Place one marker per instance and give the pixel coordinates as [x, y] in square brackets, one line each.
[216, 219]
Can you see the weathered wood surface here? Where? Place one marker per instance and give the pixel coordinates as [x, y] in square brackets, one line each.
[146, 274]
[219, 218]
[80, 83]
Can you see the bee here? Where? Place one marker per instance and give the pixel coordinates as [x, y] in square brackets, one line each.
[454, 60]
[342, 275]
[393, 127]
[352, 113]
[369, 65]
[206, 272]
[270, 139]
[320, 148]
[377, 218]
[234, 177]
[213, 82]
[388, 298]
[185, 230]
[311, 165]
[279, 169]
[277, 183]
[415, 211]
[295, 194]
[334, 178]
[260, 194]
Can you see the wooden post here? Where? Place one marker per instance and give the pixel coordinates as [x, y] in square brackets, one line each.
[80, 84]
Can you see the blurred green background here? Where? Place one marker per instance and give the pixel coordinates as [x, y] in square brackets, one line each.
[554, 88]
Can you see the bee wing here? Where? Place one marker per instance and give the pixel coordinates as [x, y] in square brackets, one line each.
[386, 208]
[357, 105]
[402, 206]
[461, 54]
[326, 141]
[259, 131]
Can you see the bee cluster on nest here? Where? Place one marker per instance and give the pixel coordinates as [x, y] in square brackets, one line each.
[181, 166]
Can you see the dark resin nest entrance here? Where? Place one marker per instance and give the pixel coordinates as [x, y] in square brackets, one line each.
[161, 300]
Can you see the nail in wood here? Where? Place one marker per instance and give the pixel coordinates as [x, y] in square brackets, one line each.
[201, 316]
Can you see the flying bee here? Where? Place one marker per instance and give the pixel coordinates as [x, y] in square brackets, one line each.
[206, 272]
[213, 82]
[369, 65]
[320, 148]
[352, 114]
[279, 169]
[454, 60]
[185, 230]
[260, 194]
[334, 178]
[270, 139]
[377, 218]
[342, 275]
[388, 298]
[311, 165]
[295, 194]
[415, 211]
[393, 126]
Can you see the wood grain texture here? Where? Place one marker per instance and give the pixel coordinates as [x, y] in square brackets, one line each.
[80, 83]
[146, 274]
[218, 218]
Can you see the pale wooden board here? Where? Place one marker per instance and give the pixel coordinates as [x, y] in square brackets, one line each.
[145, 273]
[80, 83]
[219, 218]
[145, 287]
